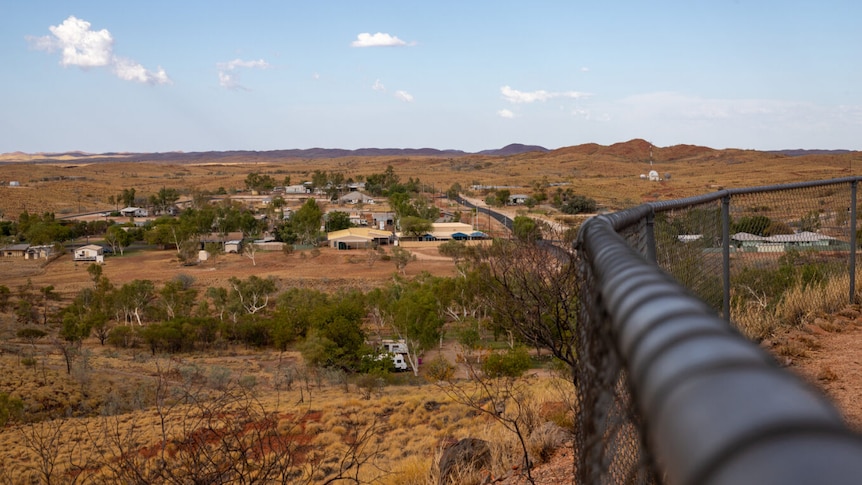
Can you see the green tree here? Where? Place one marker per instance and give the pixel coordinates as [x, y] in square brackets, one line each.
[163, 199]
[414, 312]
[258, 182]
[454, 191]
[526, 229]
[335, 337]
[119, 238]
[305, 222]
[252, 295]
[134, 301]
[752, 224]
[337, 220]
[127, 196]
[30, 335]
[176, 299]
[414, 226]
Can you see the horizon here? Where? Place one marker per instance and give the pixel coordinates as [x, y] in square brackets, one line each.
[153, 78]
[442, 150]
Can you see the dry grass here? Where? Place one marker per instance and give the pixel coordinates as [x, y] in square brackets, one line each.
[117, 411]
[610, 176]
[799, 305]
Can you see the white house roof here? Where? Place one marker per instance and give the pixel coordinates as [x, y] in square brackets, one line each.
[746, 236]
[357, 234]
[91, 247]
[804, 236]
[355, 196]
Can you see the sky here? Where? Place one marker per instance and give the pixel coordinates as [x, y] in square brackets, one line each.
[215, 75]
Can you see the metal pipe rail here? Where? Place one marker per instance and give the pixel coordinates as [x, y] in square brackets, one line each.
[714, 408]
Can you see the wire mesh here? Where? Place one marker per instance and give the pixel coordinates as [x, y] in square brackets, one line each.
[608, 440]
[787, 245]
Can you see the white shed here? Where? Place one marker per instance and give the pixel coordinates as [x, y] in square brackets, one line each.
[90, 252]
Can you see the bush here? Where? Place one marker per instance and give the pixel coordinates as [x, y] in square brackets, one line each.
[122, 336]
[11, 408]
[579, 204]
[511, 364]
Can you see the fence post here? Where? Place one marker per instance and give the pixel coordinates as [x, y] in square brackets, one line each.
[853, 241]
[650, 237]
[725, 255]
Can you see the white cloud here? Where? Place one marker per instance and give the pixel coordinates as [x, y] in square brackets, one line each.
[85, 48]
[378, 86]
[129, 70]
[228, 76]
[404, 96]
[515, 96]
[377, 40]
[505, 113]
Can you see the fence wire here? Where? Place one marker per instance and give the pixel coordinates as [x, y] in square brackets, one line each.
[754, 256]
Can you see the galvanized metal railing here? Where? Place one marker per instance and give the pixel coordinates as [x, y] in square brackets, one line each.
[668, 390]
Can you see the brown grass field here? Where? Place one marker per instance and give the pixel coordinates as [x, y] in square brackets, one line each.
[608, 174]
[71, 418]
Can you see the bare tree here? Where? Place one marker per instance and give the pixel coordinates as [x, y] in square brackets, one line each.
[250, 251]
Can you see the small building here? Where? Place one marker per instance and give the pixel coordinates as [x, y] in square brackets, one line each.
[134, 212]
[15, 250]
[382, 220]
[39, 252]
[804, 240]
[355, 197]
[297, 189]
[358, 238]
[518, 199]
[90, 252]
[233, 246]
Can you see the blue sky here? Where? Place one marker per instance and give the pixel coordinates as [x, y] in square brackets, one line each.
[192, 75]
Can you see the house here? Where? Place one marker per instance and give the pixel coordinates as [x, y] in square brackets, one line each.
[358, 238]
[297, 189]
[518, 199]
[39, 252]
[134, 212]
[804, 240]
[381, 220]
[90, 252]
[15, 251]
[355, 197]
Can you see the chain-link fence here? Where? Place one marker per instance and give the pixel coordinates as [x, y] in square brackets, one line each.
[668, 391]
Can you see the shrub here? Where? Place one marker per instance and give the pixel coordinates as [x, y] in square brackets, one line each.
[11, 408]
[122, 336]
[511, 364]
[579, 204]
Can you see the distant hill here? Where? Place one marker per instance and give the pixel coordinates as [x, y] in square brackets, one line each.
[636, 150]
[801, 153]
[514, 149]
[262, 156]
